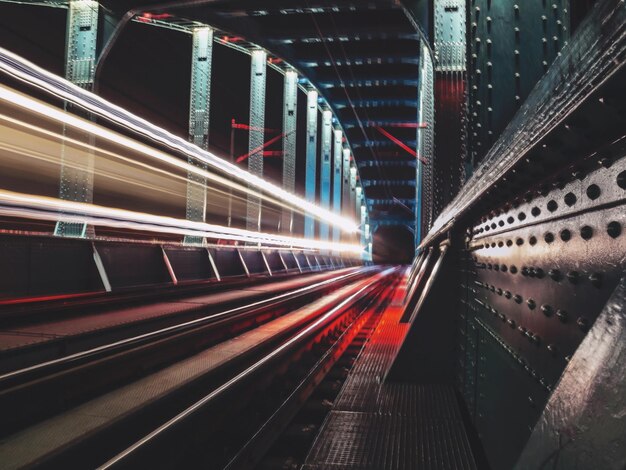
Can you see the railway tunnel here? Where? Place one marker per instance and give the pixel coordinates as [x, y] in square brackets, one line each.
[312, 235]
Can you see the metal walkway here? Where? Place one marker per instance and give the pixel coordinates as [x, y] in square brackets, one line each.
[391, 426]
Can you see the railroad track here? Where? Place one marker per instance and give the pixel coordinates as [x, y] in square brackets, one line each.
[31, 337]
[122, 392]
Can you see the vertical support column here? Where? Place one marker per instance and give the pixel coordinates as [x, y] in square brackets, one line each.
[337, 156]
[199, 111]
[311, 159]
[76, 178]
[345, 198]
[364, 231]
[327, 133]
[425, 146]
[358, 201]
[289, 143]
[256, 138]
[352, 206]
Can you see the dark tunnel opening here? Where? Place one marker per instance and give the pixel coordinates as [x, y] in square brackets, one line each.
[393, 244]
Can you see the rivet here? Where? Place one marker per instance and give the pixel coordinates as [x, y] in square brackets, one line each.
[586, 232]
[539, 273]
[593, 191]
[596, 279]
[503, 268]
[519, 241]
[531, 304]
[513, 269]
[562, 315]
[549, 237]
[521, 329]
[552, 205]
[547, 310]
[614, 229]
[573, 276]
[507, 294]
[566, 235]
[570, 199]
[555, 274]
[552, 349]
[621, 180]
[517, 298]
[535, 211]
[532, 240]
[511, 323]
[582, 323]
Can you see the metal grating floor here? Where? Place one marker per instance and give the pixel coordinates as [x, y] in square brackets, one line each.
[390, 426]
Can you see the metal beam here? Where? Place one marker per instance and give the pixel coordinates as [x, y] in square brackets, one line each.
[395, 182]
[358, 199]
[364, 229]
[327, 136]
[345, 198]
[199, 112]
[290, 108]
[424, 146]
[351, 207]
[311, 159]
[76, 178]
[388, 163]
[337, 156]
[256, 138]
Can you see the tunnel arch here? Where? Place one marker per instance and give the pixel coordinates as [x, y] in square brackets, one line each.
[393, 244]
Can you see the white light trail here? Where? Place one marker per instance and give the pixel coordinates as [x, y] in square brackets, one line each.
[26, 71]
[30, 206]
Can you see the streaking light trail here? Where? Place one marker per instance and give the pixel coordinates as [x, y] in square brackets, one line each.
[25, 71]
[29, 206]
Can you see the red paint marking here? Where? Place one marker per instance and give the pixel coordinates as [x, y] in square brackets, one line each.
[232, 39]
[259, 148]
[239, 125]
[401, 144]
[47, 298]
[155, 16]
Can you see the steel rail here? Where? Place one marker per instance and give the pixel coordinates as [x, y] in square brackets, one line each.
[133, 453]
[20, 376]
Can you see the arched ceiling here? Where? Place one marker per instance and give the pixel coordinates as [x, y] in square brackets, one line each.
[362, 56]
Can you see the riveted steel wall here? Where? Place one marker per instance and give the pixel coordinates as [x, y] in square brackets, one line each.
[511, 44]
[538, 235]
